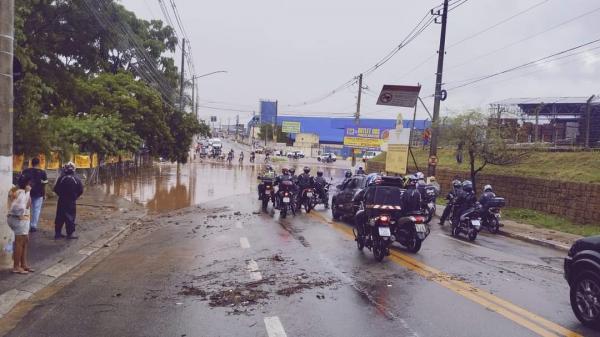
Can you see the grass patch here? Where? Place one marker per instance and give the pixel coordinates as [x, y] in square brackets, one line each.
[566, 166]
[549, 221]
[278, 159]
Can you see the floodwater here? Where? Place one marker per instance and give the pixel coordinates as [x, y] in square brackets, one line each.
[166, 187]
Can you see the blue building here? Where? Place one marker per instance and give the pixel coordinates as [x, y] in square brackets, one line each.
[331, 131]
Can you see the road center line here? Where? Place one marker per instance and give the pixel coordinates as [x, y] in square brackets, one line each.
[244, 243]
[519, 315]
[255, 275]
[274, 327]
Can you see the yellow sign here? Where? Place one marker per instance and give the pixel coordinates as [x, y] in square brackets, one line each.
[54, 162]
[94, 160]
[290, 127]
[82, 161]
[362, 142]
[396, 158]
[18, 162]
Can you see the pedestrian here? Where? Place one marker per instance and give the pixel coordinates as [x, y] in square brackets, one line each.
[38, 181]
[68, 188]
[18, 220]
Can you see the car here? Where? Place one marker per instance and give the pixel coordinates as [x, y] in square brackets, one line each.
[582, 272]
[368, 155]
[324, 156]
[300, 154]
[342, 202]
[259, 150]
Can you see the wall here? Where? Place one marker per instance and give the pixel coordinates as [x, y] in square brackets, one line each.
[578, 202]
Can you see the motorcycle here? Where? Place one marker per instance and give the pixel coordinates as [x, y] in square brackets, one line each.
[285, 199]
[411, 231]
[307, 199]
[241, 159]
[323, 197]
[490, 218]
[229, 158]
[375, 233]
[428, 198]
[268, 193]
[252, 157]
[469, 223]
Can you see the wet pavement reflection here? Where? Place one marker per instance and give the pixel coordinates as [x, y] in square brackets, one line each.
[167, 187]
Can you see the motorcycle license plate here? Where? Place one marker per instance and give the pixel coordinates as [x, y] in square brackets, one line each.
[309, 194]
[420, 228]
[476, 223]
[385, 231]
[430, 205]
[267, 192]
[286, 199]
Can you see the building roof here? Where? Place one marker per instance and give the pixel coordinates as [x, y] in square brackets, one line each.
[550, 105]
[332, 130]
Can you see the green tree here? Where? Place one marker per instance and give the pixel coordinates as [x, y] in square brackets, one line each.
[483, 144]
[267, 130]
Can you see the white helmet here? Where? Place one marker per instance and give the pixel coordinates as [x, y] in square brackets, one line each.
[420, 176]
[487, 188]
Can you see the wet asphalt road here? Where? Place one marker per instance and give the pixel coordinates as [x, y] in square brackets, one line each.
[205, 262]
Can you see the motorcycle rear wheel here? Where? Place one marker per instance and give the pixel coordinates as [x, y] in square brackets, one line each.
[307, 206]
[472, 235]
[455, 231]
[378, 250]
[494, 226]
[265, 203]
[283, 212]
[414, 245]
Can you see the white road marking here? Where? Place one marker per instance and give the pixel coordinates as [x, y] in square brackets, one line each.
[244, 243]
[238, 224]
[274, 327]
[255, 275]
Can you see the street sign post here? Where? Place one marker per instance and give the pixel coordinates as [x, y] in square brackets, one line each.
[399, 95]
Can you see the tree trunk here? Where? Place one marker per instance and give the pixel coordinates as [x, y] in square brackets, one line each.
[473, 172]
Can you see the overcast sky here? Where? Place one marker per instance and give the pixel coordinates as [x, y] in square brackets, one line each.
[293, 51]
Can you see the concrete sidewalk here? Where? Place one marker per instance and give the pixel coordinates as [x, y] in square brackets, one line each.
[100, 218]
[529, 233]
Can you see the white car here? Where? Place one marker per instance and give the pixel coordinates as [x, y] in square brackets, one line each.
[325, 156]
[368, 155]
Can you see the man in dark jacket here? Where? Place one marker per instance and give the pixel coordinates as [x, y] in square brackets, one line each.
[411, 199]
[38, 179]
[68, 188]
[451, 198]
[464, 201]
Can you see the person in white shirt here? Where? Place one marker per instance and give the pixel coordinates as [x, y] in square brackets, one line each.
[18, 220]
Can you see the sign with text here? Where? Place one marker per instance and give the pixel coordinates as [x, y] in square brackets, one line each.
[290, 127]
[399, 95]
[371, 138]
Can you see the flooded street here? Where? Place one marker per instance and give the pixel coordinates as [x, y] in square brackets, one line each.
[206, 261]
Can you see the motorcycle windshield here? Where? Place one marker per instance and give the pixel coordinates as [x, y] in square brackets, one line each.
[384, 195]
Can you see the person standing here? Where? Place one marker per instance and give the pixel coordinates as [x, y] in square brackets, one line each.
[68, 188]
[18, 221]
[38, 181]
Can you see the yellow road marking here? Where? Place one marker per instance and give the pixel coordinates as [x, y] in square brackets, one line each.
[521, 316]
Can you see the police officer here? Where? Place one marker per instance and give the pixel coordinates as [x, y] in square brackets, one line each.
[269, 174]
[68, 188]
[320, 184]
[411, 199]
[451, 198]
[465, 200]
[486, 196]
[304, 181]
[360, 170]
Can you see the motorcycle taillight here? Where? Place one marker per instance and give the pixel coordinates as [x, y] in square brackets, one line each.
[384, 219]
[419, 219]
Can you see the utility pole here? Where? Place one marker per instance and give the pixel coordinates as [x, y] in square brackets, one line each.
[237, 122]
[6, 116]
[193, 92]
[357, 115]
[435, 132]
[588, 119]
[228, 124]
[182, 75]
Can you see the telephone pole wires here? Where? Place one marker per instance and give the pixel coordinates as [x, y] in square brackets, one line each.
[182, 81]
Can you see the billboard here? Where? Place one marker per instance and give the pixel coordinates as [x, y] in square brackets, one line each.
[365, 137]
[268, 112]
[399, 95]
[290, 127]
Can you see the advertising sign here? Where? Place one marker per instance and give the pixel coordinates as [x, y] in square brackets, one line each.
[399, 95]
[397, 152]
[290, 127]
[364, 137]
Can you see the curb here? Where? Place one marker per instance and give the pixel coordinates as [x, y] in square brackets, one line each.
[536, 241]
[12, 297]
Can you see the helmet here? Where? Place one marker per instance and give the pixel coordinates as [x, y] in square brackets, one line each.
[269, 168]
[412, 180]
[432, 179]
[69, 167]
[306, 169]
[292, 170]
[348, 174]
[285, 170]
[467, 186]
[319, 173]
[456, 183]
[372, 178]
[420, 176]
[487, 188]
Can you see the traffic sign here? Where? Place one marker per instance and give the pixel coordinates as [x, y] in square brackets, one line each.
[399, 95]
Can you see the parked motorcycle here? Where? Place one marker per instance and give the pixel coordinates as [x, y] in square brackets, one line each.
[285, 199]
[490, 218]
[469, 223]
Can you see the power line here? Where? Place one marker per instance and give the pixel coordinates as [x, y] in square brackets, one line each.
[482, 78]
[470, 61]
